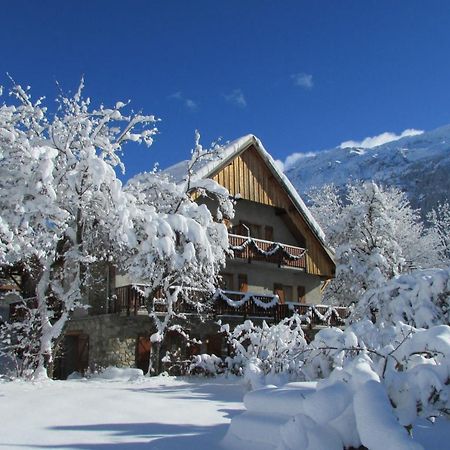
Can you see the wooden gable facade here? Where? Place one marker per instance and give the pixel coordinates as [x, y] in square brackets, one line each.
[249, 176]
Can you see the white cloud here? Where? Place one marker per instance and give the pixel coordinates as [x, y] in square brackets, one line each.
[188, 102]
[304, 80]
[383, 138]
[294, 157]
[236, 97]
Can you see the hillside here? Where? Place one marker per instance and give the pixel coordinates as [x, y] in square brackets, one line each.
[419, 165]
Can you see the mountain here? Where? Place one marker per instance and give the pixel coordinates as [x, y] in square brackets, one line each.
[418, 165]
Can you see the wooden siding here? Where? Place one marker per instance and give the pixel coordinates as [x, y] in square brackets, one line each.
[249, 176]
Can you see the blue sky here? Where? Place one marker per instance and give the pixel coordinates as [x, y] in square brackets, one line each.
[300, 75]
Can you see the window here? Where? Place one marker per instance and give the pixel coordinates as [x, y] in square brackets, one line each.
[284, 292]
[243, 282]
[268, 233]
[288, 294]
[227, 282]
[244, 228]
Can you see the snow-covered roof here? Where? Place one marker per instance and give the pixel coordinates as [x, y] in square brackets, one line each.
[178, 171]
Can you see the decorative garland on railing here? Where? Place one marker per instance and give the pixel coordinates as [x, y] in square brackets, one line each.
[273, 299]
[275, 249]
[325, 317]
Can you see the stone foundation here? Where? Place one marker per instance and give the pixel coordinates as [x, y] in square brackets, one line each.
[112, 338]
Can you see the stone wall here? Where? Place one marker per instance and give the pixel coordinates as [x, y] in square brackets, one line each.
[112, 338]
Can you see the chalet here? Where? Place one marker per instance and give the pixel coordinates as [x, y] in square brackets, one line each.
[280, 265]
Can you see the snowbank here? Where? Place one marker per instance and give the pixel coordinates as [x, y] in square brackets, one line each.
[118, 374]
[319, 417]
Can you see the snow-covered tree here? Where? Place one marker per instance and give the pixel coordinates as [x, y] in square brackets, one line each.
[376, 235]
[62, 206]
[181, 243]
[420, 299]
[439, 219]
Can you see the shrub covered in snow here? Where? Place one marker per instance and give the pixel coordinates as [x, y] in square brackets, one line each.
[412, 364]
[19, 342]
[208, 365]
[372, 382]
[265, 351]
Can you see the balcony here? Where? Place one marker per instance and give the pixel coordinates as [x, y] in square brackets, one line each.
[252, 249]
[249, 305]
[233, 304]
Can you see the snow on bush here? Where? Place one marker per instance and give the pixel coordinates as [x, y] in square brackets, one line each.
[204, 364]
[378, 381]
[420, 298]
[266, 352]
[19, 343]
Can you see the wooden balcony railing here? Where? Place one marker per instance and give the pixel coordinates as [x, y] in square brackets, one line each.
[249, 248]
[244, 305]
[264, 306]
[129, 300]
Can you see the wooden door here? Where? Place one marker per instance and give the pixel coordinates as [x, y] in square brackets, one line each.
[301, 293]
[73, 356]
[83, 353]
[143, 347]
[214, 344]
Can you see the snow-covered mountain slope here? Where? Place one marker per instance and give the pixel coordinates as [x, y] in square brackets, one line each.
[419, 165]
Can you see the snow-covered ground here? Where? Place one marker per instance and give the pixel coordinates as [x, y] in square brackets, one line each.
[162, 413]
